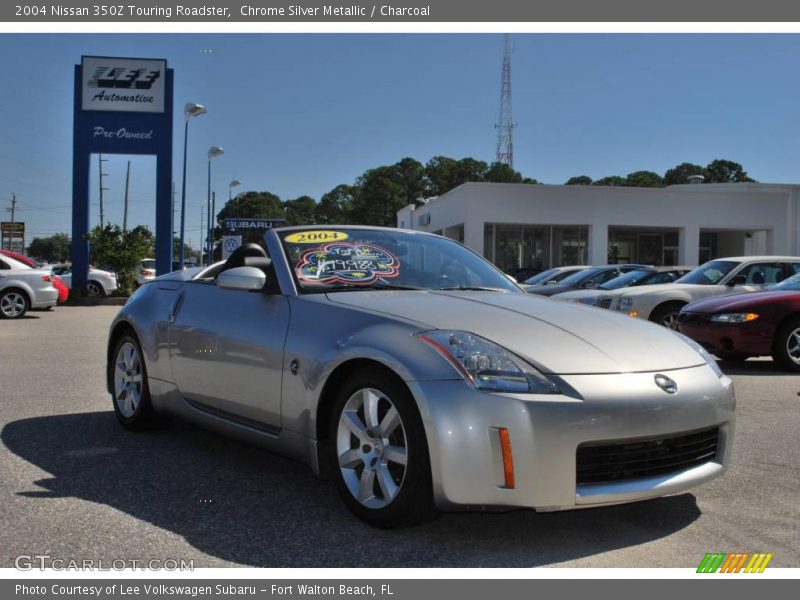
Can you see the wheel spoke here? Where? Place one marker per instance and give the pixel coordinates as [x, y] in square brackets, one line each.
[386, 483]
[352, 421]
[350, 459]
[366, 486]
[137, 378]
[135, 397]
[371, 409]
[395, 454]
[390, 422]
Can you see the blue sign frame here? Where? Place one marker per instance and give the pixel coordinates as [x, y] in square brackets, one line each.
[110, 132]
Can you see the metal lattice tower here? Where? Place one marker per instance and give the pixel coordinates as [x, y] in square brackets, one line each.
[505, 122]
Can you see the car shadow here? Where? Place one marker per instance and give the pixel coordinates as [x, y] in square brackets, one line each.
[758, 367]
[248, 506]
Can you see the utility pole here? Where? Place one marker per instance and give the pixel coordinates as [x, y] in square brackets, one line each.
[100, 161]
[13, 205]
[201, 262]
[173, 210]
[127, 190]
[505, 123]
[211, 225]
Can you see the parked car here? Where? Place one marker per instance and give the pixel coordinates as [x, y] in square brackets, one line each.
[63, 290]
[23, 288]
[101, 283]
[642, 276]
[590, 278]
[146, 271]
[554, 275]
[407, 368]
[738, 326]
[525, 273]
[662, 303]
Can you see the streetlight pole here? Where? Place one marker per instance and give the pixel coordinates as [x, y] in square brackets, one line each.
[189, 111]
[213, 152]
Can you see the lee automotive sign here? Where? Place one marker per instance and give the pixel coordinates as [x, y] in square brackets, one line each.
[123, 84]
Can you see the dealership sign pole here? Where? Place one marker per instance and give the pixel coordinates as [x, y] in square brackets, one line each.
[122, 106]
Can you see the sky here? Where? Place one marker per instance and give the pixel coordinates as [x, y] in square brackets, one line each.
[301, 113]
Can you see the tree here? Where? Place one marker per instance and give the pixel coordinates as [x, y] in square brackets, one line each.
[644, 179]
[726, 171]
[579, 180]
[379, 195]
[334, 208]
[301, 211]
[501, 173]
[611, 180]
[443, 174]
[120, 250]
[56, 248]
[681, 173]
[188, 251]
[250, 205]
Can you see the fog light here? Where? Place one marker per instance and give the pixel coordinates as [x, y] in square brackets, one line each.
[508, 460]
[633, 313]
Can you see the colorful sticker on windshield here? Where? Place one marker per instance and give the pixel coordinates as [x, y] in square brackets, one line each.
[352, 263]
[316, 237]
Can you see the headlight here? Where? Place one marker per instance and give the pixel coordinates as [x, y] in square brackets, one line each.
[625, 303]
[702, 352]
[734, 317]
[486, 366]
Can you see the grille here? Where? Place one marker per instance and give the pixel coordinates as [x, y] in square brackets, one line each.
[688, 317]
[608, 463]
[603, 302]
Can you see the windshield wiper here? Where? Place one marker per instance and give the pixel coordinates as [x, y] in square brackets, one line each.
[471, 288]
[354, 287]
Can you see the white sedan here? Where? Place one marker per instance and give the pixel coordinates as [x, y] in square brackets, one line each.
[23, 288]
[662, 303]
[101, 283]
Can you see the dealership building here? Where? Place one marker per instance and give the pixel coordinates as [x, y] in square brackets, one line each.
[540, 226]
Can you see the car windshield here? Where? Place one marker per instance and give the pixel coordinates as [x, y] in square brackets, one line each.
[792, 284]
[709, 273]
[347, 259]
[541, 277]
[626, 279]
[578, 277]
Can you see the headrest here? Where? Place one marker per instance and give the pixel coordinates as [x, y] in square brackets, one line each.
[248, 255]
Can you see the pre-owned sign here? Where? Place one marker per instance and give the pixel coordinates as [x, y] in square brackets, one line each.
[123, 84]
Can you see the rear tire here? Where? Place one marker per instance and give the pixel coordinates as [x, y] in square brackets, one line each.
[95, 290]
[14, 304]
[379, 452]
[730, 356]
[667, 315]
[131, 395]
[786, 346]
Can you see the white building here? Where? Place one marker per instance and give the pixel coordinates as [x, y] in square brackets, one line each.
[539, 226]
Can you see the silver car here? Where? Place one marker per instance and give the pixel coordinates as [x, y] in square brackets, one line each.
[417, 376]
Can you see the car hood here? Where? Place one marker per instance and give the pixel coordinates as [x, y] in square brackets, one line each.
[548, 290]
[579, 294]
[556, 337]
[741, 301]
[658, 288]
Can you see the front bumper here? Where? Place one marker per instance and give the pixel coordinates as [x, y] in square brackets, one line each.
[754, 338]
[546, 430]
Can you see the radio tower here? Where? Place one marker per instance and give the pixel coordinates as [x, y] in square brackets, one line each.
[505, 123]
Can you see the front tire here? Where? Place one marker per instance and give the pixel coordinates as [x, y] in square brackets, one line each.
[786, 346]
[95, 290]
[667, 315]
[380, 453]
[131, 396]
[13, 304]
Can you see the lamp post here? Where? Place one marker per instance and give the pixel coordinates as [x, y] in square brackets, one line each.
[213, 152]
[189, 111]
[232, 185]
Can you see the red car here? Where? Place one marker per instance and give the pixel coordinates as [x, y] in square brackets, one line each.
[63, 290]
[738, 326]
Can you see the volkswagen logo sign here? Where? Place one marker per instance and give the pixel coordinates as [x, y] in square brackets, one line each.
[666, 384]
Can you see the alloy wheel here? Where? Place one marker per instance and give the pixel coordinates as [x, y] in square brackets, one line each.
[371, 448]
[793, 346]
[12, 304]
[670, 320]
[128, 379]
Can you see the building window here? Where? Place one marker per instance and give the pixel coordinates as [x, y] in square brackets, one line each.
[569, 245]
[643, 246]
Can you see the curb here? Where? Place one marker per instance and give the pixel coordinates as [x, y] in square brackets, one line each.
[112, 301]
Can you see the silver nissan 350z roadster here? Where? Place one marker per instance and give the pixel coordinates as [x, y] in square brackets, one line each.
[420, 378]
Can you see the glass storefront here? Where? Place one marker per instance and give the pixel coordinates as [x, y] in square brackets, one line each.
[535, 247]
[642, 246]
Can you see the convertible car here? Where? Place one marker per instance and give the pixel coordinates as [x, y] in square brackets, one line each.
[417, 376]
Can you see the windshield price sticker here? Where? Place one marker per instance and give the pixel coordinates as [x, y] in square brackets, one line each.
[347, 263]
[315, 237]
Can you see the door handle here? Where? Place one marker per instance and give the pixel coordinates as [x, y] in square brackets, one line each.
[173, 311]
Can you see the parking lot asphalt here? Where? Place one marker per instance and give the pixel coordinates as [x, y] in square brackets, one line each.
[77, 486]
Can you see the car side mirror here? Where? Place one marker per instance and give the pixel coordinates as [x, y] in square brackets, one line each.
[589, 285]
[249, 279]
[737, 280]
